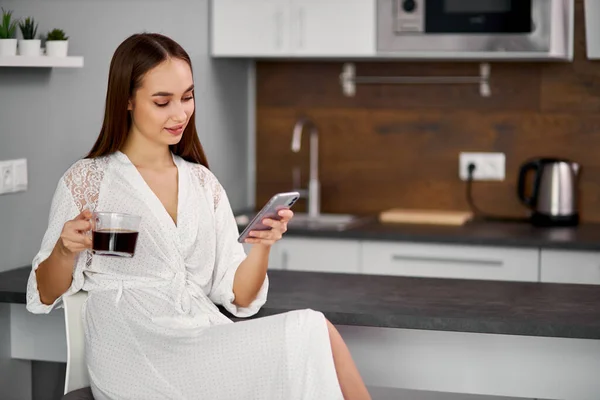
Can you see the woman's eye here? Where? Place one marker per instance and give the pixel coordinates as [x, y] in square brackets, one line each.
[162, 104]
[188, 98]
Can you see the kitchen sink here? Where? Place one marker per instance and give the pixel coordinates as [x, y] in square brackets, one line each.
[337, 222]
[324, 221]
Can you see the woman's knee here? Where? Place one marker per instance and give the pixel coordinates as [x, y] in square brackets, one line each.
[334, 334]
[330, 327]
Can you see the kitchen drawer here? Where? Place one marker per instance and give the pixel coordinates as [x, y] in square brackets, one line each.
[561, 266]
[321, 255]
[450, 261]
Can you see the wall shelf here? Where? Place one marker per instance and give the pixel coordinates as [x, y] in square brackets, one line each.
[41, 61]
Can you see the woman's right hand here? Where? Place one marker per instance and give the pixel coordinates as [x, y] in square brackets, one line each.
[74, 237]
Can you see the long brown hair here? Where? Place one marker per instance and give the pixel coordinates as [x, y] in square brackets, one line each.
[138, 54]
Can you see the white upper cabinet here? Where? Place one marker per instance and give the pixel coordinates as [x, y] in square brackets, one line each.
[242, 28]
[333, 27]
[293, 28]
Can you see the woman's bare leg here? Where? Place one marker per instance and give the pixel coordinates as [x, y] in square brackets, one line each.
[350, 380]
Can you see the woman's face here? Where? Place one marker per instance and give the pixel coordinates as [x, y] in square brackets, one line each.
[162, 106]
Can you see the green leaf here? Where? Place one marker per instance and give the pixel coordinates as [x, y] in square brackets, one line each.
[57, 34]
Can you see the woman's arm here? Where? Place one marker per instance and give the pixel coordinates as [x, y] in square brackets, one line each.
[240, 282]
[57, 268]
[55, 274]
[251, 273]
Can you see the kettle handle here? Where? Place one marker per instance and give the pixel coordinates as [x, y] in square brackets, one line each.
[534, 165]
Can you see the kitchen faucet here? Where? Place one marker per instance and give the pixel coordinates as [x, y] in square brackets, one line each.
[313, 194]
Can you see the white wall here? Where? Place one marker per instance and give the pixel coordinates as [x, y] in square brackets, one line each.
[53, 116]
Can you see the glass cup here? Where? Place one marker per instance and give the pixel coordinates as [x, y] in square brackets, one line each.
[114, 234]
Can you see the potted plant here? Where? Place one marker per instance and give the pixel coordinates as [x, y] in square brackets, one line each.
[29, 45]
[8, 34]
[57, 43]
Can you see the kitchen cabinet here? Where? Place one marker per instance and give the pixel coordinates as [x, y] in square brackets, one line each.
[565, 266]
[450, 261]
[250, 27]
[320, 255]
[333, 27]
[274, 257]
[303, 28]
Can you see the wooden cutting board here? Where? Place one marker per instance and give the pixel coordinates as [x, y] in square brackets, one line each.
[433, 217]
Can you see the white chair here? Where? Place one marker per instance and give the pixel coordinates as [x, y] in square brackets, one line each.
[76, 376]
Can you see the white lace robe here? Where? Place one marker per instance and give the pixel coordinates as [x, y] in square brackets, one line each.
[152, 328]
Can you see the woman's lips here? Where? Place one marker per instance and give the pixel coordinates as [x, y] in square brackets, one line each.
[175, 130]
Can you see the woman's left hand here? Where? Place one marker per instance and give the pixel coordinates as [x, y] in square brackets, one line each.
[278, 228]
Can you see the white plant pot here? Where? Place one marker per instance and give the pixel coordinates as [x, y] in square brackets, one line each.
[30, 48]
[57, 48]
[8, 47]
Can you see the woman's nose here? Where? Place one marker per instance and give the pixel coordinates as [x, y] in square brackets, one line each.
[179, 114]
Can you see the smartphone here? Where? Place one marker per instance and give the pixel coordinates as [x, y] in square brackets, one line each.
[280, 201]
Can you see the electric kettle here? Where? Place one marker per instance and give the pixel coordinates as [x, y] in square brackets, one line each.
[553, 195]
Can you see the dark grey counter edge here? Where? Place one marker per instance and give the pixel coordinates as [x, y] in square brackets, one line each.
[464, 325]
[13, 297]
[529, 308]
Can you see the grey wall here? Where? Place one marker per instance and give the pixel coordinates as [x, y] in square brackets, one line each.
[52, 116]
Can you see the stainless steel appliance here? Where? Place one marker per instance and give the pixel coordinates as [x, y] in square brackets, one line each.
[482, 29]
[553, 195]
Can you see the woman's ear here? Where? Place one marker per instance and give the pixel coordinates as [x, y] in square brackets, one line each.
[129, 105]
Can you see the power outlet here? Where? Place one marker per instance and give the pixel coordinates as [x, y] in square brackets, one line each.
[13, 176]
[7, 178]
[488, 166]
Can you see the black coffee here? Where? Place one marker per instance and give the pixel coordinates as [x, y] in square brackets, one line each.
[114, 242]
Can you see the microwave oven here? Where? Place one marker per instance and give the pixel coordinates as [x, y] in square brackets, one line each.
[463, 16]
[458, 28]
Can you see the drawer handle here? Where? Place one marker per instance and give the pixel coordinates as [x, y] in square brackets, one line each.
[278, 29]
[301, 28]
[488, 263]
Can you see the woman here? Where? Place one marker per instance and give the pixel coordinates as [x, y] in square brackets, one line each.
[152, 328]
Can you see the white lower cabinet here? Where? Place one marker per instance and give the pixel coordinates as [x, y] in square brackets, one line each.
[568, 266]
[450, 261]
[435, 260]
[273, 255]
[316, 254]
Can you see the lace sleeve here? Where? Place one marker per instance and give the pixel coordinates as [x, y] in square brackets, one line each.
[77, 190]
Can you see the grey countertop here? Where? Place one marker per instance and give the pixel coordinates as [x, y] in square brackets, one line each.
[497, 307]
[510, 234]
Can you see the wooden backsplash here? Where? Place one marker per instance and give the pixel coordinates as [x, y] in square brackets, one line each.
[398, 145]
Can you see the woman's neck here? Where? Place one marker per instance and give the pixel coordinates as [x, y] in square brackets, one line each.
[146, 154]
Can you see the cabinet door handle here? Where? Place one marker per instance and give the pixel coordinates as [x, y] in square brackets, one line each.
[284, 259]
[278, 16]
[301, 32]
[462, 261]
